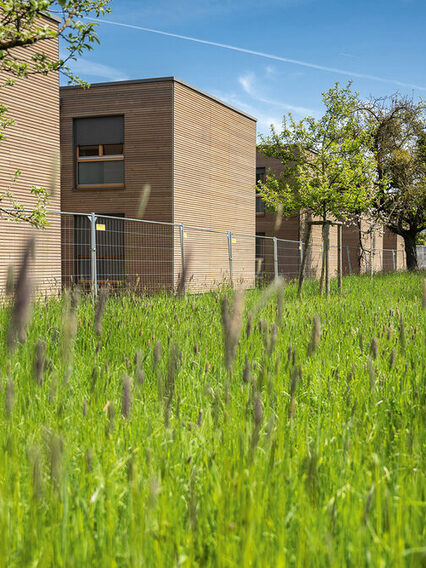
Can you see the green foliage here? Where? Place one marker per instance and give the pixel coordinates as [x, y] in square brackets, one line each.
[421, 238]
[397, 127]
[326, 169]
[21, 26]
[121, 446]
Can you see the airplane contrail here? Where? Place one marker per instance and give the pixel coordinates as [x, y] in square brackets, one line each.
[262, 54]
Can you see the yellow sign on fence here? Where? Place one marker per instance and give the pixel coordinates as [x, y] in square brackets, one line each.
[100, 227]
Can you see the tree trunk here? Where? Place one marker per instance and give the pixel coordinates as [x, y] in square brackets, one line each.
[410, 251]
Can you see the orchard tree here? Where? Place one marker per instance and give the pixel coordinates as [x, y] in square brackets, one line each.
[397, 127]
[23, 24]
[326, 168]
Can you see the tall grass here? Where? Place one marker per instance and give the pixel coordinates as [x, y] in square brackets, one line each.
[198, 431]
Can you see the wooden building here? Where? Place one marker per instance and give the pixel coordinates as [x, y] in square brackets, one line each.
[290, 232]
[387, 250]
[31, 146]
[197, 154]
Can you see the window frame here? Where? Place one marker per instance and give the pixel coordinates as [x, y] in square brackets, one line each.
[101, 157]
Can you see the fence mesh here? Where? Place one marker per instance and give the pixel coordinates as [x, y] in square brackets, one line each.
[93, 250]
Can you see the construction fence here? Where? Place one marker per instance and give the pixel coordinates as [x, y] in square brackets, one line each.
[91, 251]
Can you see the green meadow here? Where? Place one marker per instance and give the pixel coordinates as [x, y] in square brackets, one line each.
[217, 430]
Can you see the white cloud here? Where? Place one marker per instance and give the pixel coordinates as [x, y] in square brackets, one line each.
[249, 84]
[85, 68]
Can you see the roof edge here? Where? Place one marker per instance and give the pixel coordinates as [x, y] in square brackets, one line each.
[164, 79]
[53, 17]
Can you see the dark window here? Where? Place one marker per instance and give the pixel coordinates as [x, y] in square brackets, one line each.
[260, 175]
[100, 173]
[99, 152]
[260, 178]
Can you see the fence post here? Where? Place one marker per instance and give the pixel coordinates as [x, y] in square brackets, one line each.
[93, 271]
[230, 256]
[393, 260]
[182, 253]
[339, 258]
[349, 259]
[275, 258]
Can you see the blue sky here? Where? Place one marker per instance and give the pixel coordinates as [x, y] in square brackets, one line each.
[381, 44]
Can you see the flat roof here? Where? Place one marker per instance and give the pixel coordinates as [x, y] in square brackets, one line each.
[52, 16]
[160, 79]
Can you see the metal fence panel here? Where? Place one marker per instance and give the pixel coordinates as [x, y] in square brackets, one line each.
[145, 256]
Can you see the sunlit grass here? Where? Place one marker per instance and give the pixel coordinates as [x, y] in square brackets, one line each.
[132, 443]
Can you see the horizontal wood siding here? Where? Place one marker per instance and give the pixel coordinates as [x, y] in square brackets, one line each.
[214, 176]
[32, 146]
[147, 111]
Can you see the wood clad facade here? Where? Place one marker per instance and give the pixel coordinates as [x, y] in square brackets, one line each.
[146, 250]
[214, 175]
[198, 156]
[31, 145]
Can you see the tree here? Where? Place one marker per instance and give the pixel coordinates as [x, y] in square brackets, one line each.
[397, 127]
[326, 171]
[23, 24]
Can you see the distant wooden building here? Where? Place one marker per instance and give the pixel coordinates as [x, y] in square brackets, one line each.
[357, 240]
[289, 230]
[31, 146]
[198, 156]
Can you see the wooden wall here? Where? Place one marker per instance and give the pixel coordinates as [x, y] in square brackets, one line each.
[32, 146]
[148, 125]
[214, 177]
[393, 242]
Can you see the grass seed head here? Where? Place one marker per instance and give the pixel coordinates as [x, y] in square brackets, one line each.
[10, 397]
[296, 374]
[371, 374]
[56, 451]
[21, 310]
[232, 320]
[157, 352]
[89, 458]
[392, 358]
[247, 370]
[200, 419]
[183, 278]
[126, 401]
[315, 336]
[111, 417]
[374, 347]
[40, 361]
[402, 333]
[280, 304]
[34, 457]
